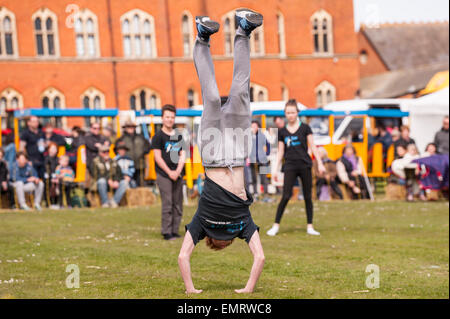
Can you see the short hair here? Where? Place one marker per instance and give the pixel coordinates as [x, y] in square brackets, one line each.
[48, 124]
[257, 123]
[168, 107]
[64, 157]
[51, 144]
[19, 154]
[404, 127]
[213, 243]
[291, 102]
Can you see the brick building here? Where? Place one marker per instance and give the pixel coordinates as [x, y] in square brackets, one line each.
[137, 54]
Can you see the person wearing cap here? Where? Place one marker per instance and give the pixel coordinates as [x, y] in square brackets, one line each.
[138, 146]
[126, 164]
[107, 174]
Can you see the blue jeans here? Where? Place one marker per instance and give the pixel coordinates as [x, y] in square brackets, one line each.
[102, 186]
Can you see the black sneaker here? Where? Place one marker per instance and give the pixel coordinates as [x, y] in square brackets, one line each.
[248, 20]
[167, 236]
[206, 27]
[174, 235]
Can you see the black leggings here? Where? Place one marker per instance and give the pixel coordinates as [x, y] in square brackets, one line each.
[290, 177]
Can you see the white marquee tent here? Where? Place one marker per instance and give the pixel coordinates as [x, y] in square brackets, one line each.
[426, 115]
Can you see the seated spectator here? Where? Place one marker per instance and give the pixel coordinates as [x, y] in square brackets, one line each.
[107, 175]
[51, 181]
[126, 164]
[406, 171]
[398, 165]
[350, 168]
[400, 151]
[5, 186]
[430, 150]
[65, 175]
[441, 138]
[25, 180]
[93, 142]
[329, 178]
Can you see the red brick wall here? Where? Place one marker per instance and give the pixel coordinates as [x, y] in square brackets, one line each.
[300, 71]
[374, 63]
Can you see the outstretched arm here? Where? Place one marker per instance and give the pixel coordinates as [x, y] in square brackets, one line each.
[185, 265]
[258, 263]
[315, 151]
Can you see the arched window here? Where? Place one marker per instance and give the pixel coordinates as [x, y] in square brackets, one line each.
[281, 35]
[8, 40]
[92, 99]
[86, 34]
[144, 99]
[229, 35]
[322, 31]
[363, 57]
[192, 98]
[325, 93]
[46, 32]
[10, 100]
[258, 93]
[138, 33]
[187, 34]
[53, 99]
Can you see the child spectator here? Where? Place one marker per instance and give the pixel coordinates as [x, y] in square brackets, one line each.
[5, 186]
[26, 180]
[107, 174]
[329, 178]
[350, 171]
[65, 175]
[126, 164]
[51, 181]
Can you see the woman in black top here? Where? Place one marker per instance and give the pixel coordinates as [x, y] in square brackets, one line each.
[293, 142]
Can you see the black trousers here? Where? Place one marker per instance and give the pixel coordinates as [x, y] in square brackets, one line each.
[254, 169]
[65, 189]
[334, 186]
[290, 177]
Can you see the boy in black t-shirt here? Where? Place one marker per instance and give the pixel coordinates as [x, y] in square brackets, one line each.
[223, 210]
[293, 143]
[169, 158]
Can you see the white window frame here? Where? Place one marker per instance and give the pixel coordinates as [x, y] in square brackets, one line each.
[44, 14]
[322, 16]
[324, 88]
[52, 93]
[189, 33]
[5, 13]
[84, 15]
[281, 34]
[257, 91]
[148, 94]
[142, 16]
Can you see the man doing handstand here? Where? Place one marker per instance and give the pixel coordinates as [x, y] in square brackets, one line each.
[223, 210]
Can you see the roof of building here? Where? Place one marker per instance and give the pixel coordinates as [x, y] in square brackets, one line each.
[400, 82]
[406, 45]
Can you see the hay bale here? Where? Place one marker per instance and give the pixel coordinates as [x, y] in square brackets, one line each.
[433, 194]
[395, 191]
[140, 196]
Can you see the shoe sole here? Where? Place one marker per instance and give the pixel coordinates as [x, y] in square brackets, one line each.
[211, 26]
[255, 18]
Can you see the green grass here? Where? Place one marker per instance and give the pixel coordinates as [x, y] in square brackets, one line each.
[120, 253]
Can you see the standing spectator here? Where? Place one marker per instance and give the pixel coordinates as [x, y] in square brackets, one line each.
[441, 138]
[404, 139]
[77, 139]
[32, 141]
[138, 146]
[107, 174]
[126, 164]
[52, 137]
[5, 186]
[109, 135]
[51, 181]
[65, 175]
[350, 171]
[26, 180]
[279, 122]
[169, 159]
[94, 141]
[258, 157]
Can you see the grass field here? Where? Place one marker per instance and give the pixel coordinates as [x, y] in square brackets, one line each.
[120, 253]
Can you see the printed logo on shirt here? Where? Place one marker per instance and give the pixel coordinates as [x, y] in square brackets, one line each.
[230, 227]
[172, 146]
[291, 141]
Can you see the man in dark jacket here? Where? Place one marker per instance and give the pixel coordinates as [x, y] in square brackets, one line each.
[108, 174]
[441, 138]
[138, 146]
[93, 142]
[32, 142]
